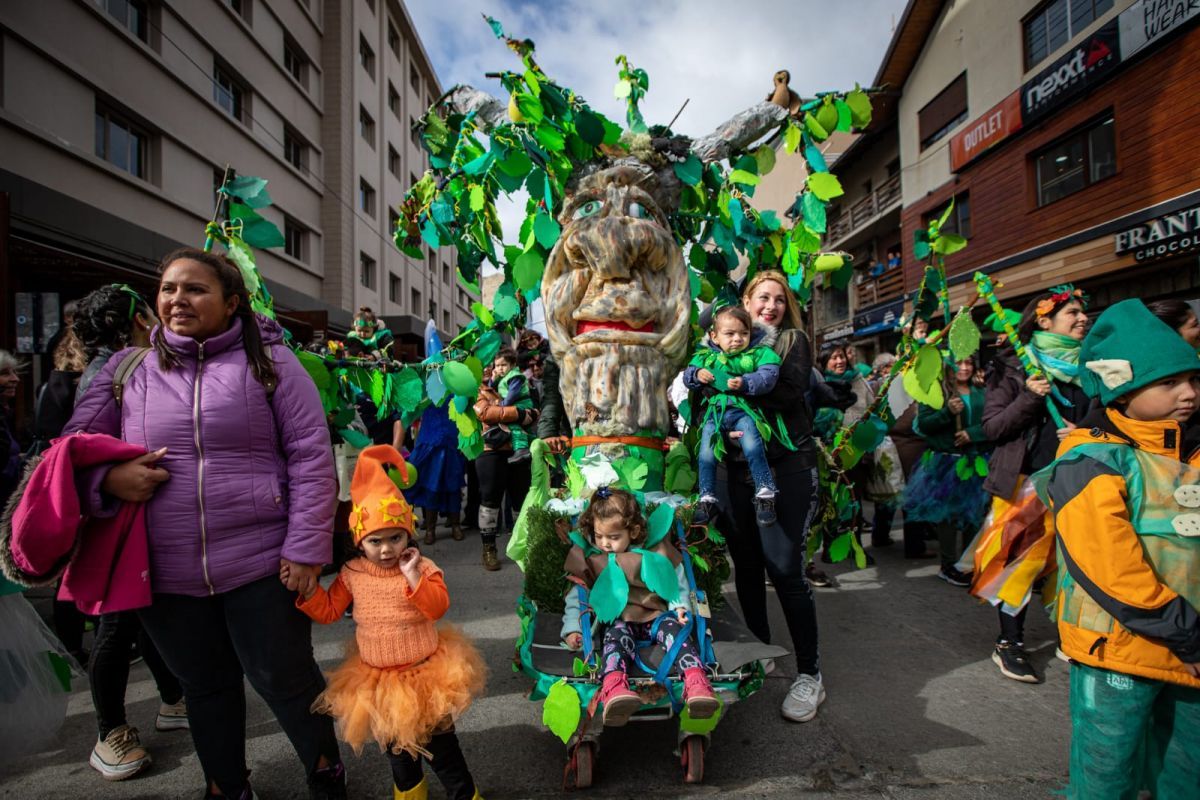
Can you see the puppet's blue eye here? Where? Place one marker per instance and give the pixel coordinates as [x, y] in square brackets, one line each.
[588, 209]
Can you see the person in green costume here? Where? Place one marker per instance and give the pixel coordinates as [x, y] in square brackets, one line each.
[368, 337]
[513, 388]
[727, 371]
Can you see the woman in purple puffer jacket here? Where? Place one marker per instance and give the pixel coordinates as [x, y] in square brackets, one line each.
[239, 481]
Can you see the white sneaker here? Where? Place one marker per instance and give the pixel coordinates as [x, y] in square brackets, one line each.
[120, 755]
[708, 498]
[172, 717]
[765, 493]
[806, 694]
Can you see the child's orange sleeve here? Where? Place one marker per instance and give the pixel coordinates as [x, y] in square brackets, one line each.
[327, 606]
[431, 595]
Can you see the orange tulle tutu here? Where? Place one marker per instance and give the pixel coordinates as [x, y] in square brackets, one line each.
[403, 708]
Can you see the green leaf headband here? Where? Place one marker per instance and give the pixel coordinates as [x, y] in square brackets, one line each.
[135, 299]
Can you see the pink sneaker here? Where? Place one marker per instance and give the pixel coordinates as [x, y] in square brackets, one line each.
[698, 694]
[619, 702]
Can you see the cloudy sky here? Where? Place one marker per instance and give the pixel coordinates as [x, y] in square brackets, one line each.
[720, 55]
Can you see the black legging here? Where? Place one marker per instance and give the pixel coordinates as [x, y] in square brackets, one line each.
[108, 669]
[779, 551]
[448, 764]
[498, 478]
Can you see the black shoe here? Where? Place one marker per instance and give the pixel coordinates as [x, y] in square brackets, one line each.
[818, 578]
[519, 456]
[706, 512]
[764, 511]
[953, 577]
[1013, 662]
[328, 783]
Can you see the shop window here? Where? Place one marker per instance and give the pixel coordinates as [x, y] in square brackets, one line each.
[1057, 22]
[366, 126]
[229, 94]
[294, 236]
[366, 197]
[366, 56]
[1075, 162]
[121, 143]
[941, 114]
[134, 15]
[295, 150]
[395, 288]
[366, 270]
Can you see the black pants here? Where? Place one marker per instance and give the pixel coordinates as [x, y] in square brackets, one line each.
[255, 631]
[779, 551]
[471, 512]
[1012, 629]
[915, 534]
[498, 479]
[108, 669]
[68, 624]
[448, 764]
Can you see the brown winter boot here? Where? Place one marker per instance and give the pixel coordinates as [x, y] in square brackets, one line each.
[456, 528]
[491, 559]
[430, 526]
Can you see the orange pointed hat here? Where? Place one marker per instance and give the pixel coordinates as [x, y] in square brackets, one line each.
[377, 501]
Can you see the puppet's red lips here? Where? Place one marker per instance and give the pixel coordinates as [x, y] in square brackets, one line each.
[589, 325]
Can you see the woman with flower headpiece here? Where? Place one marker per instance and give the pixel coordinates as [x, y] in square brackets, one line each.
[1015, 548]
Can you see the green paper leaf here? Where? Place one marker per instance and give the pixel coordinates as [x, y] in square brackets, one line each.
[814, 212]
[459, 379]
[827, 114]
[530, 108]
[546, 229]
[377, 392]
[477, 198]
[941, 223]
[815, 128]
[527, 271]
[931, 396]
[256, 231]
[869, 434]
[839, 548]
[579, 668]
[964, 468]
[476, 367]
[689, 171]
[561, 711]
[610, 592]
[659, 524]
[699, 726]
[435, 388]
[589, 127]
[659, 575]
[964, 337]
[483, 314]
[488, 345]
[824, 185]
[841, 277]
[765, 156]
[249, 190]
[981, 466]
[928, 365]
[860, 108]
[506, 308]
[355, 438]
[948, 244]
[844, 116]
[815, 159]
[791, 137]
[743, 177]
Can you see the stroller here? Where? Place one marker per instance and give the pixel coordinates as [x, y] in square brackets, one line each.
[567, 678]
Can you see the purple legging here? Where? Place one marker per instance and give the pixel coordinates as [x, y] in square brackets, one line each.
[621, 638]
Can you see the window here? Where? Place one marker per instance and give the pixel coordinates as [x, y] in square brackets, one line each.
[133, 14]
[295, 151]
[446, 320]
[1076, 162]
[371, 5]
[229, 94]
[366, 197]
[366, 56]
[1056, 23]
[394, 162]
[240, 7]
[943, 112]
[120, 143]
[395, 288]
[293, 238]
[295, 62]
[393, 221]
[393, 100]
[414, 79]
[366, 126]
[414, 133]
[446, 274]
[959, 221]
[415, 308]
[433, 309]
[393, 38]
[366, 270]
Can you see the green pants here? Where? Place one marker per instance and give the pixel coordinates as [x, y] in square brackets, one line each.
[1130, 733]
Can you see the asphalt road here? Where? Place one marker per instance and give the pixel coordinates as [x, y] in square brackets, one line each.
[916, 709]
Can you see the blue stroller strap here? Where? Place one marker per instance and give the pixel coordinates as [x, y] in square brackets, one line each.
[585, 624]
[702, 643]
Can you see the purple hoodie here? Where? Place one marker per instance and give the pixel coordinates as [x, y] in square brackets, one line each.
[252, 478]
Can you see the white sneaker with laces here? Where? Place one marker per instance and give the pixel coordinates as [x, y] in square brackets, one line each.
[708, 498]
[806, 694]
[172, 717]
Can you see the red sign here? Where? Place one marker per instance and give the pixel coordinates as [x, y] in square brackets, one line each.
[996, 125]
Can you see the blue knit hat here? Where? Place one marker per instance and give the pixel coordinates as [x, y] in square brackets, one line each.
[1129, 348]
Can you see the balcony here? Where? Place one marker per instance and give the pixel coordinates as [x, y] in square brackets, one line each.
[873, 291]
[864, 211]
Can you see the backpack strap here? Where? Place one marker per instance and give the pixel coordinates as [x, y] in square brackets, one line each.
[128, 364]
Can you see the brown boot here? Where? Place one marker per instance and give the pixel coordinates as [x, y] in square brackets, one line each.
[491, 559]
[455, 528]
[430, 526]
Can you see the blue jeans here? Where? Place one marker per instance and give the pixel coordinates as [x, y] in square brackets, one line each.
[752, 448]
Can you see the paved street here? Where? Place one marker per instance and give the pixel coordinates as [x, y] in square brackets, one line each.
[915, 710]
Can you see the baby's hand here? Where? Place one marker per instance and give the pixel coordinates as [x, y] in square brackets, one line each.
[681, 614]
[410, 564]
[735, 384]
[704, 376]
[574, 640]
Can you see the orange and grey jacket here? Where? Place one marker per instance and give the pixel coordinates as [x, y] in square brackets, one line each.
[1125, 495]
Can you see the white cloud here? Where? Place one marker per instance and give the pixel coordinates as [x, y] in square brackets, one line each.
[718, 55]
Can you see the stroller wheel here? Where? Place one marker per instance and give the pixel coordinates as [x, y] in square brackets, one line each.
[580, 766]
[691, 754]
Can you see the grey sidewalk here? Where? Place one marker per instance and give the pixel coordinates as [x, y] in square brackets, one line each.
[915, 710]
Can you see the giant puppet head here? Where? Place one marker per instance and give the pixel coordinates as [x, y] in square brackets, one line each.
[617, 302]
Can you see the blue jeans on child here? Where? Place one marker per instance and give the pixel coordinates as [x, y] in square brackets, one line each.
[752, 448]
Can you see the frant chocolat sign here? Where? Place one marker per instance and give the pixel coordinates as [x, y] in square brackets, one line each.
[1162, 237]
[1084, 65]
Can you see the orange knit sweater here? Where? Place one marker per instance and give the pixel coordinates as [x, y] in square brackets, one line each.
[394, 621]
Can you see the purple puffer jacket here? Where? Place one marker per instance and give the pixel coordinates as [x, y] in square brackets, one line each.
[252, 478]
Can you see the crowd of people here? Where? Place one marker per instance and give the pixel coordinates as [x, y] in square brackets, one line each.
[1069, 481]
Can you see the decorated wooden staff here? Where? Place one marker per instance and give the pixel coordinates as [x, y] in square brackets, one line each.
[987, 290]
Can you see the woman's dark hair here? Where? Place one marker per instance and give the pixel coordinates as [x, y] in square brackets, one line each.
[104, 318]
[232, 285]
[1029, 316]
[608, 503]
[1173, 312]
[826, 353]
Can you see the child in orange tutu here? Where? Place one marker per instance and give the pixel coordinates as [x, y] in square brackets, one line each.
[404, 681]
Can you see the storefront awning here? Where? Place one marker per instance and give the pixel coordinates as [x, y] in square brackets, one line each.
[879, 320]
